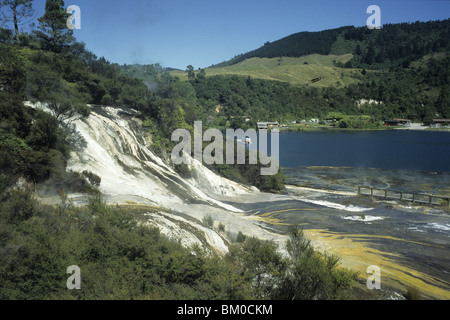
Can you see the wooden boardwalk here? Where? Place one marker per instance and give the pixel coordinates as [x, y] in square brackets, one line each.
[419, 198]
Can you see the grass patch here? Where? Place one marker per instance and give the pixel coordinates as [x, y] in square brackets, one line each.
[296, 71]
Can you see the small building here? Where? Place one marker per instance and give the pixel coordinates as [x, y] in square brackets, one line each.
[441, 122]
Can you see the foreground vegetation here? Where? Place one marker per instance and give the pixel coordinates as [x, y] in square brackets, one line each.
[122, 258]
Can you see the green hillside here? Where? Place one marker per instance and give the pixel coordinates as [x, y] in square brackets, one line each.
[393, 45]
[296, 71]
[338, 56]
[296, 45]
[404, 68]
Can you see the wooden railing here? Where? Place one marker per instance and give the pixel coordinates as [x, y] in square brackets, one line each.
[421, 198]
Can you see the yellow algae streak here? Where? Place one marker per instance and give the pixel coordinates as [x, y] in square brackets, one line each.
[356, 254]
[270, 218]
[287, 210]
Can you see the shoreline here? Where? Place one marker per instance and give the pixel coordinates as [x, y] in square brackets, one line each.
[316, 128]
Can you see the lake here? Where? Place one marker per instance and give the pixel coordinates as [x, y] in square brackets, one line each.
[392, 150]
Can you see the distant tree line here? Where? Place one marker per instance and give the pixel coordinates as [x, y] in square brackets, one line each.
[419, 92]
[393, 45]
[296, 45]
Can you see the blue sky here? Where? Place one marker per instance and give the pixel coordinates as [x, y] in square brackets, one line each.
[176, 33]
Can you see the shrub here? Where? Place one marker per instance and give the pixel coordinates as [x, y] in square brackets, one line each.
[240, 238]
[413, 294]
[311, 274]
[208, 220]
[18, 206]
[94, 179]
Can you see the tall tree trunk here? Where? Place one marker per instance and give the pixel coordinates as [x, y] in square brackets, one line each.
[16, 22]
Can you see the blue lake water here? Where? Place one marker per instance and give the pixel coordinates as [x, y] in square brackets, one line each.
[392, 150]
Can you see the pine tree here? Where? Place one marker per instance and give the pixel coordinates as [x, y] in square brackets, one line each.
[53, 25]
[16, 11]
[370, 54]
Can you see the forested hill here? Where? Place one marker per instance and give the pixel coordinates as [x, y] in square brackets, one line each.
[404, 69]
[393, 45]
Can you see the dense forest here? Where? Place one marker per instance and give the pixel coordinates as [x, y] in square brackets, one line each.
[391, 46]
[405, 67]
[419, 92]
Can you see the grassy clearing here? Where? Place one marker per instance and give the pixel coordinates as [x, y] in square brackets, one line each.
[297, 71]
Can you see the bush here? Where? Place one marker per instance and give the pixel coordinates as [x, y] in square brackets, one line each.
[260, 262]
[94, 179]
[240, 238]
[18, 206]
[208, 220]
[311, 274]
[413, 294]
[183, 170]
